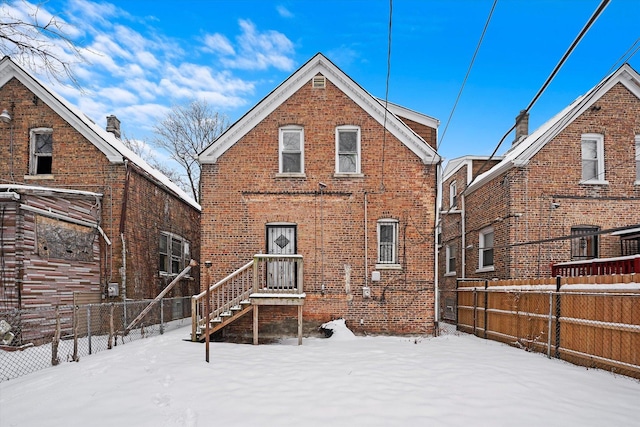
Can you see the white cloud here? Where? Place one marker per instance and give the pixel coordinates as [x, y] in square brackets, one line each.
[217, 43]
[284, 12]
[118, 95]
[259, 51]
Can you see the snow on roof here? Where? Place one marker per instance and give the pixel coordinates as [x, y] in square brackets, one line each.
[34, 188]
[113, 148]
[520, 154]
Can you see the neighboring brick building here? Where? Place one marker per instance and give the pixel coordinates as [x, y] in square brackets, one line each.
[352, 187]
[457, 175]
[558, 193]
[52, 155]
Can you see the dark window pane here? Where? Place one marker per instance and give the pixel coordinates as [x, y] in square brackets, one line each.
[291, 162]
[43, 165]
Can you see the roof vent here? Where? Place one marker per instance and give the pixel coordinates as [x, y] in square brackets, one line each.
[319, 82]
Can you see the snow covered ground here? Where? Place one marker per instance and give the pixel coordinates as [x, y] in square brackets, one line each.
[452, 380]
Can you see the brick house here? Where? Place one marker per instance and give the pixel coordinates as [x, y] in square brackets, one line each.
[82, 215]
[569, 191]
[319, 168]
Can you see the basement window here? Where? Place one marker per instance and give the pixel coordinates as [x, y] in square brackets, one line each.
[174, 254]
[41, 151]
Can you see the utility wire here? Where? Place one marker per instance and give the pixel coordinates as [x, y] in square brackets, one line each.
[564, 58]
[386, 96]
[473, 58]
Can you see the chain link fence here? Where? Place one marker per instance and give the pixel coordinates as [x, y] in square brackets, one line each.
[37, 338]
[593, 329]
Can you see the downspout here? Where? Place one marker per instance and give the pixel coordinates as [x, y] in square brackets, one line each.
[123, 220]
[463, 237]
[366, 246]
[436, 282]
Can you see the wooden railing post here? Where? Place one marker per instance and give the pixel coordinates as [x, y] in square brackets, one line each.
[256, 260]
[194, 317]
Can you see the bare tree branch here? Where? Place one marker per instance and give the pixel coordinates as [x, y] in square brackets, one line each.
[142, 149]
[185, 132]
[38, 41]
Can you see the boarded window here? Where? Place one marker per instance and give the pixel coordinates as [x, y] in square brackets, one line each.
[59, 239]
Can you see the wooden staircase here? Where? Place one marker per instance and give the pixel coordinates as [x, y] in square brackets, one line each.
[265, 280]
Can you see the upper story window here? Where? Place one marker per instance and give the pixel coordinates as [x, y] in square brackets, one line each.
[592, 159]
[637, 159]
[348, 149]
[453, 194]
[451, 259]
[485, 249]
[388, 242]
[291, 150]
[174, 252]
[585, 244]
[41, 151]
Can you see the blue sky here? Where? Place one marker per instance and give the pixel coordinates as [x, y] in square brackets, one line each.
[146, 56]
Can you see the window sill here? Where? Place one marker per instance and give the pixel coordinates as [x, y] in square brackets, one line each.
[291, 175]
[43, 176]
[348, 175]
[388, 267]
[450, 274]
[485, 269]
[594, 182]
[636, 183]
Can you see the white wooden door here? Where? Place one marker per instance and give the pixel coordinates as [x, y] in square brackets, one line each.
[281, 240]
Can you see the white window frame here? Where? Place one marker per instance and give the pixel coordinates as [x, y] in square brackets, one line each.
[451, 255]
[599, 160]
[453, 194]
[33, 156]
[483, 249]
[281, 150]
[637, 160]
[358, 153]
[174, 263]
[384, 262]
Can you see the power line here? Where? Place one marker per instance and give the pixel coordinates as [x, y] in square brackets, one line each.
[464, 81]
[386, 96]
[564, 58]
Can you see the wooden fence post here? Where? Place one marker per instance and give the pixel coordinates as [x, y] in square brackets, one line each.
[56, 340]
[558, 309]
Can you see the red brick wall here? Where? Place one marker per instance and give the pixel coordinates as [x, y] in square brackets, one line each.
[553, 175]
[78, 164]
[241, 193]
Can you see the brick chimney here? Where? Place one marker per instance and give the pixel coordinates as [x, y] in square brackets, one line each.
[522, 126]
[113, 125]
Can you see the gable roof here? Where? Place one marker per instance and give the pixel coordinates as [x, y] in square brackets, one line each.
[112, 147]
[454, 165]
[521, 154]
[320, 64]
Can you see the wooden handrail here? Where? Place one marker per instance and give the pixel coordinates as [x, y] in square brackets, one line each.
[254, 277]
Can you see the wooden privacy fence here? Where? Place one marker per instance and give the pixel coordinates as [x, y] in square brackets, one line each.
[590, 325]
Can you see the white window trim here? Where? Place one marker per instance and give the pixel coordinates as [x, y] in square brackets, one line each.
[32, 151]
[453, 190]
[481, 247]
[280, 151]
[447, 259]
[358, 172]
[387, 265]
[186, 250]
[600, 178]
[637, 160]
